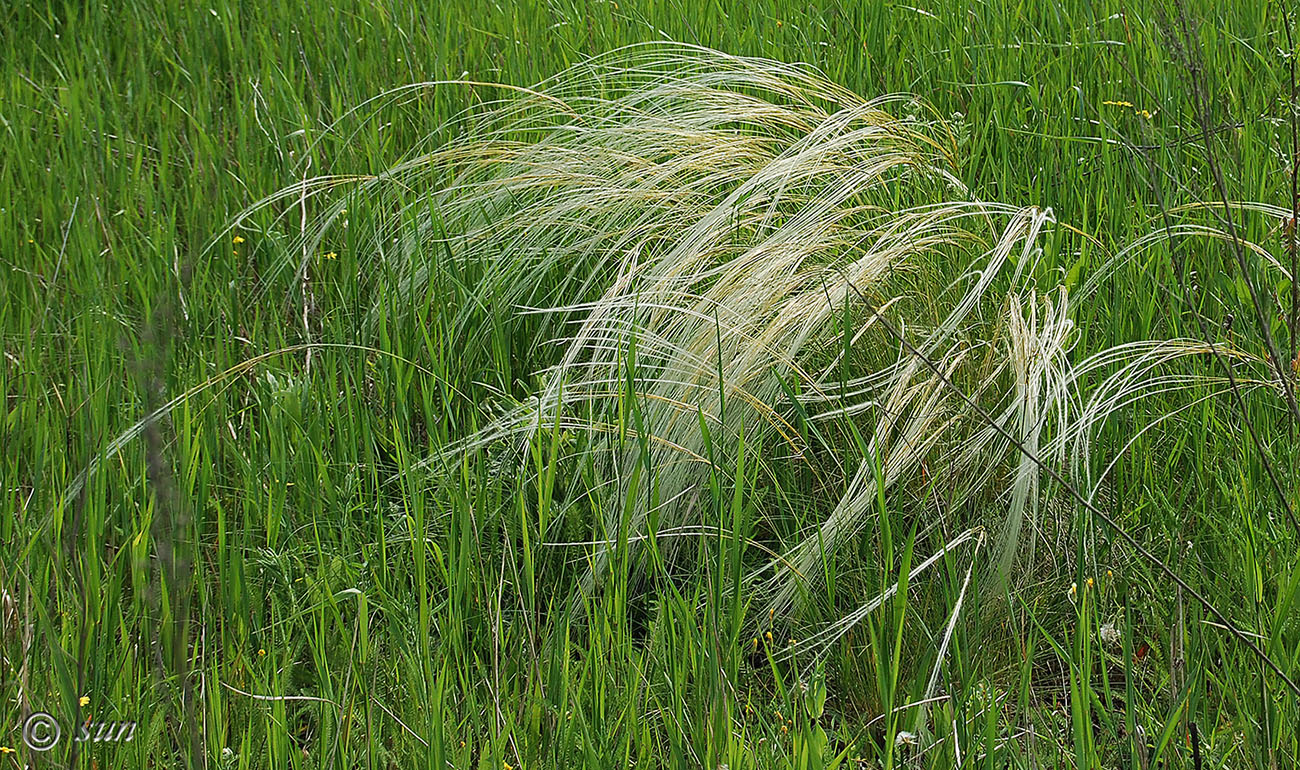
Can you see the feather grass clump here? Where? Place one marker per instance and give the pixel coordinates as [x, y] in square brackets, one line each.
[710, 246]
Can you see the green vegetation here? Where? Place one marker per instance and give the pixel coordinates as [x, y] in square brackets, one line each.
[542, 415]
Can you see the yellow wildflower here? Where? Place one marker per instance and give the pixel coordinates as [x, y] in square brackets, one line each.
[1111, 103]
[261, 653]
[6, 750]
[238, 239]
[85, 700]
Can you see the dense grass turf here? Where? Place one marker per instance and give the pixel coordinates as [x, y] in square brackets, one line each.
[266, 577]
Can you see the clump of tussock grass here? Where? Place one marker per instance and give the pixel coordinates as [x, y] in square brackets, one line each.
[702, 248]
[714, 237]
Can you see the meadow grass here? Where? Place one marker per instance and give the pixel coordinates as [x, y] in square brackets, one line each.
[291, 567]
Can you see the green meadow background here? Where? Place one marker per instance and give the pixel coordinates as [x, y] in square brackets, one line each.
[264, 579]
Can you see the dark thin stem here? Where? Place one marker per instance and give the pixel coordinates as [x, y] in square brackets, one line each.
[1180, 274]
[1233, 386]
[1201, 104]
[1291, 233]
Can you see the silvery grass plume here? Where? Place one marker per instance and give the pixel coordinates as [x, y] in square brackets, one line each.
[710, 246]
[715, 238]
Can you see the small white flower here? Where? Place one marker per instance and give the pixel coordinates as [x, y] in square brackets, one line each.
[905, 738]
[1110, 634]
